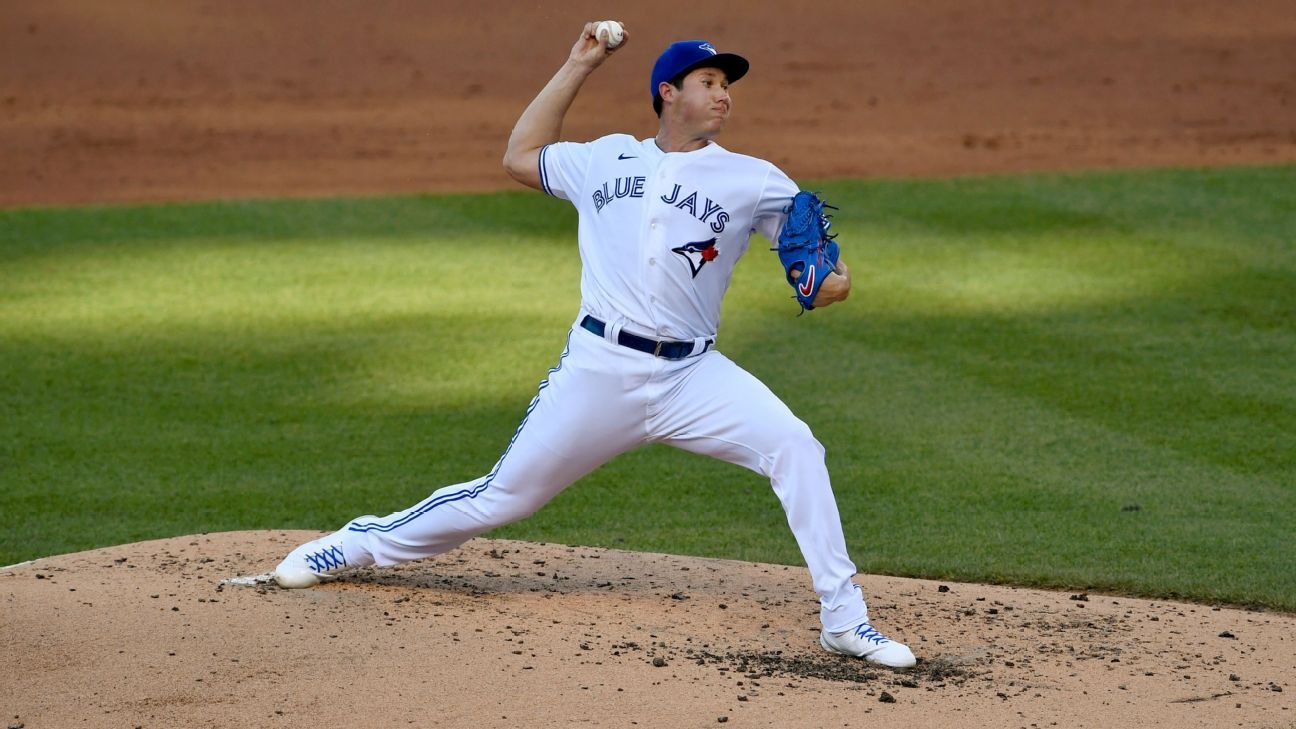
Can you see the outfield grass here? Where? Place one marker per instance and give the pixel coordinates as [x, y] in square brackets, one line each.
[1082, 381]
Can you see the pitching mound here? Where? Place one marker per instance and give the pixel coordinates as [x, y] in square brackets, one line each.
[508, 634]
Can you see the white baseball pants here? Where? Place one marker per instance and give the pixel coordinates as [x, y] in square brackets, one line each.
[604, 399]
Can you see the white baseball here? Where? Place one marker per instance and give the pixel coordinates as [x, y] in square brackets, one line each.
[612, 30]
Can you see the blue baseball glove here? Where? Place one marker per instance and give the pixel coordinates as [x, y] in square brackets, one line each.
[807, 251]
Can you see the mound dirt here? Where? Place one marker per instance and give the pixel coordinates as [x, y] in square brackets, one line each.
[506, 634]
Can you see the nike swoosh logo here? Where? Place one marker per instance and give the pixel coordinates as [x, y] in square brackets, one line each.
[626, 156]
[808, 279]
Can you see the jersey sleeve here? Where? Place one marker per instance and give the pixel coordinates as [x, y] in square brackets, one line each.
[563, 166]
[771, 209]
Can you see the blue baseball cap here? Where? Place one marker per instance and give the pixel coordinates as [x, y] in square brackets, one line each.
[686, 55]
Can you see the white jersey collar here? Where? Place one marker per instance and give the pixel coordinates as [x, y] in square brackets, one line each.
[650, 145]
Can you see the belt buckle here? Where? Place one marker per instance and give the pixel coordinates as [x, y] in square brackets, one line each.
[657, 349]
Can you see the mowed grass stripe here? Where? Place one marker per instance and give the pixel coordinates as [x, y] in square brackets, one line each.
[1081, 381]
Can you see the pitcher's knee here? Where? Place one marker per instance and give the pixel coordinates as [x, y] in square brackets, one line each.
[509, 512]
[501, 506]
[795, 450]
[797, 441]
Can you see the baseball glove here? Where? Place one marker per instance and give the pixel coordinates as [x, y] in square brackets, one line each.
[807, 251]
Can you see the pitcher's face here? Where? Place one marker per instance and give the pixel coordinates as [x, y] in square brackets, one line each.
[702, 107]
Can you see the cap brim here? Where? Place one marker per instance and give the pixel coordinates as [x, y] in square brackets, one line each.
[734, 65]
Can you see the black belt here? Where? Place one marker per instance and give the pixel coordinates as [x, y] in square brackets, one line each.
[663, 349]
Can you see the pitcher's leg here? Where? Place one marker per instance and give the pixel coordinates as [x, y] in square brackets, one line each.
[721, 410]
[528, 476]
[582, 416]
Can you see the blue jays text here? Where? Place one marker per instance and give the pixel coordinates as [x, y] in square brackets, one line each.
[711, 212]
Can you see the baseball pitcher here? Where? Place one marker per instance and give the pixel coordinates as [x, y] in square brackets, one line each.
[662, 223]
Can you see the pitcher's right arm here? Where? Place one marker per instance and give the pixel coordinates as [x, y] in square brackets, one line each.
[541, 122]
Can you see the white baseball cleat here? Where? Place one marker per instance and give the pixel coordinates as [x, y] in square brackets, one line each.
[313, 562]
[865, 642]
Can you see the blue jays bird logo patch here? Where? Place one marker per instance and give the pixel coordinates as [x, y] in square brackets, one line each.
[698, 254]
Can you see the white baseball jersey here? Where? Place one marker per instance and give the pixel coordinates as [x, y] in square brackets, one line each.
[660, 232]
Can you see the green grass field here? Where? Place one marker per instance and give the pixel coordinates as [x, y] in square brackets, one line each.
[1081, 381]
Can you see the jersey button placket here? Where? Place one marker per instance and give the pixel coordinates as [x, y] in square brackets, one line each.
[647, 242]
[653, 273]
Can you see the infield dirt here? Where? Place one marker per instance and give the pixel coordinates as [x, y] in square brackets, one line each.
[136, 101]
